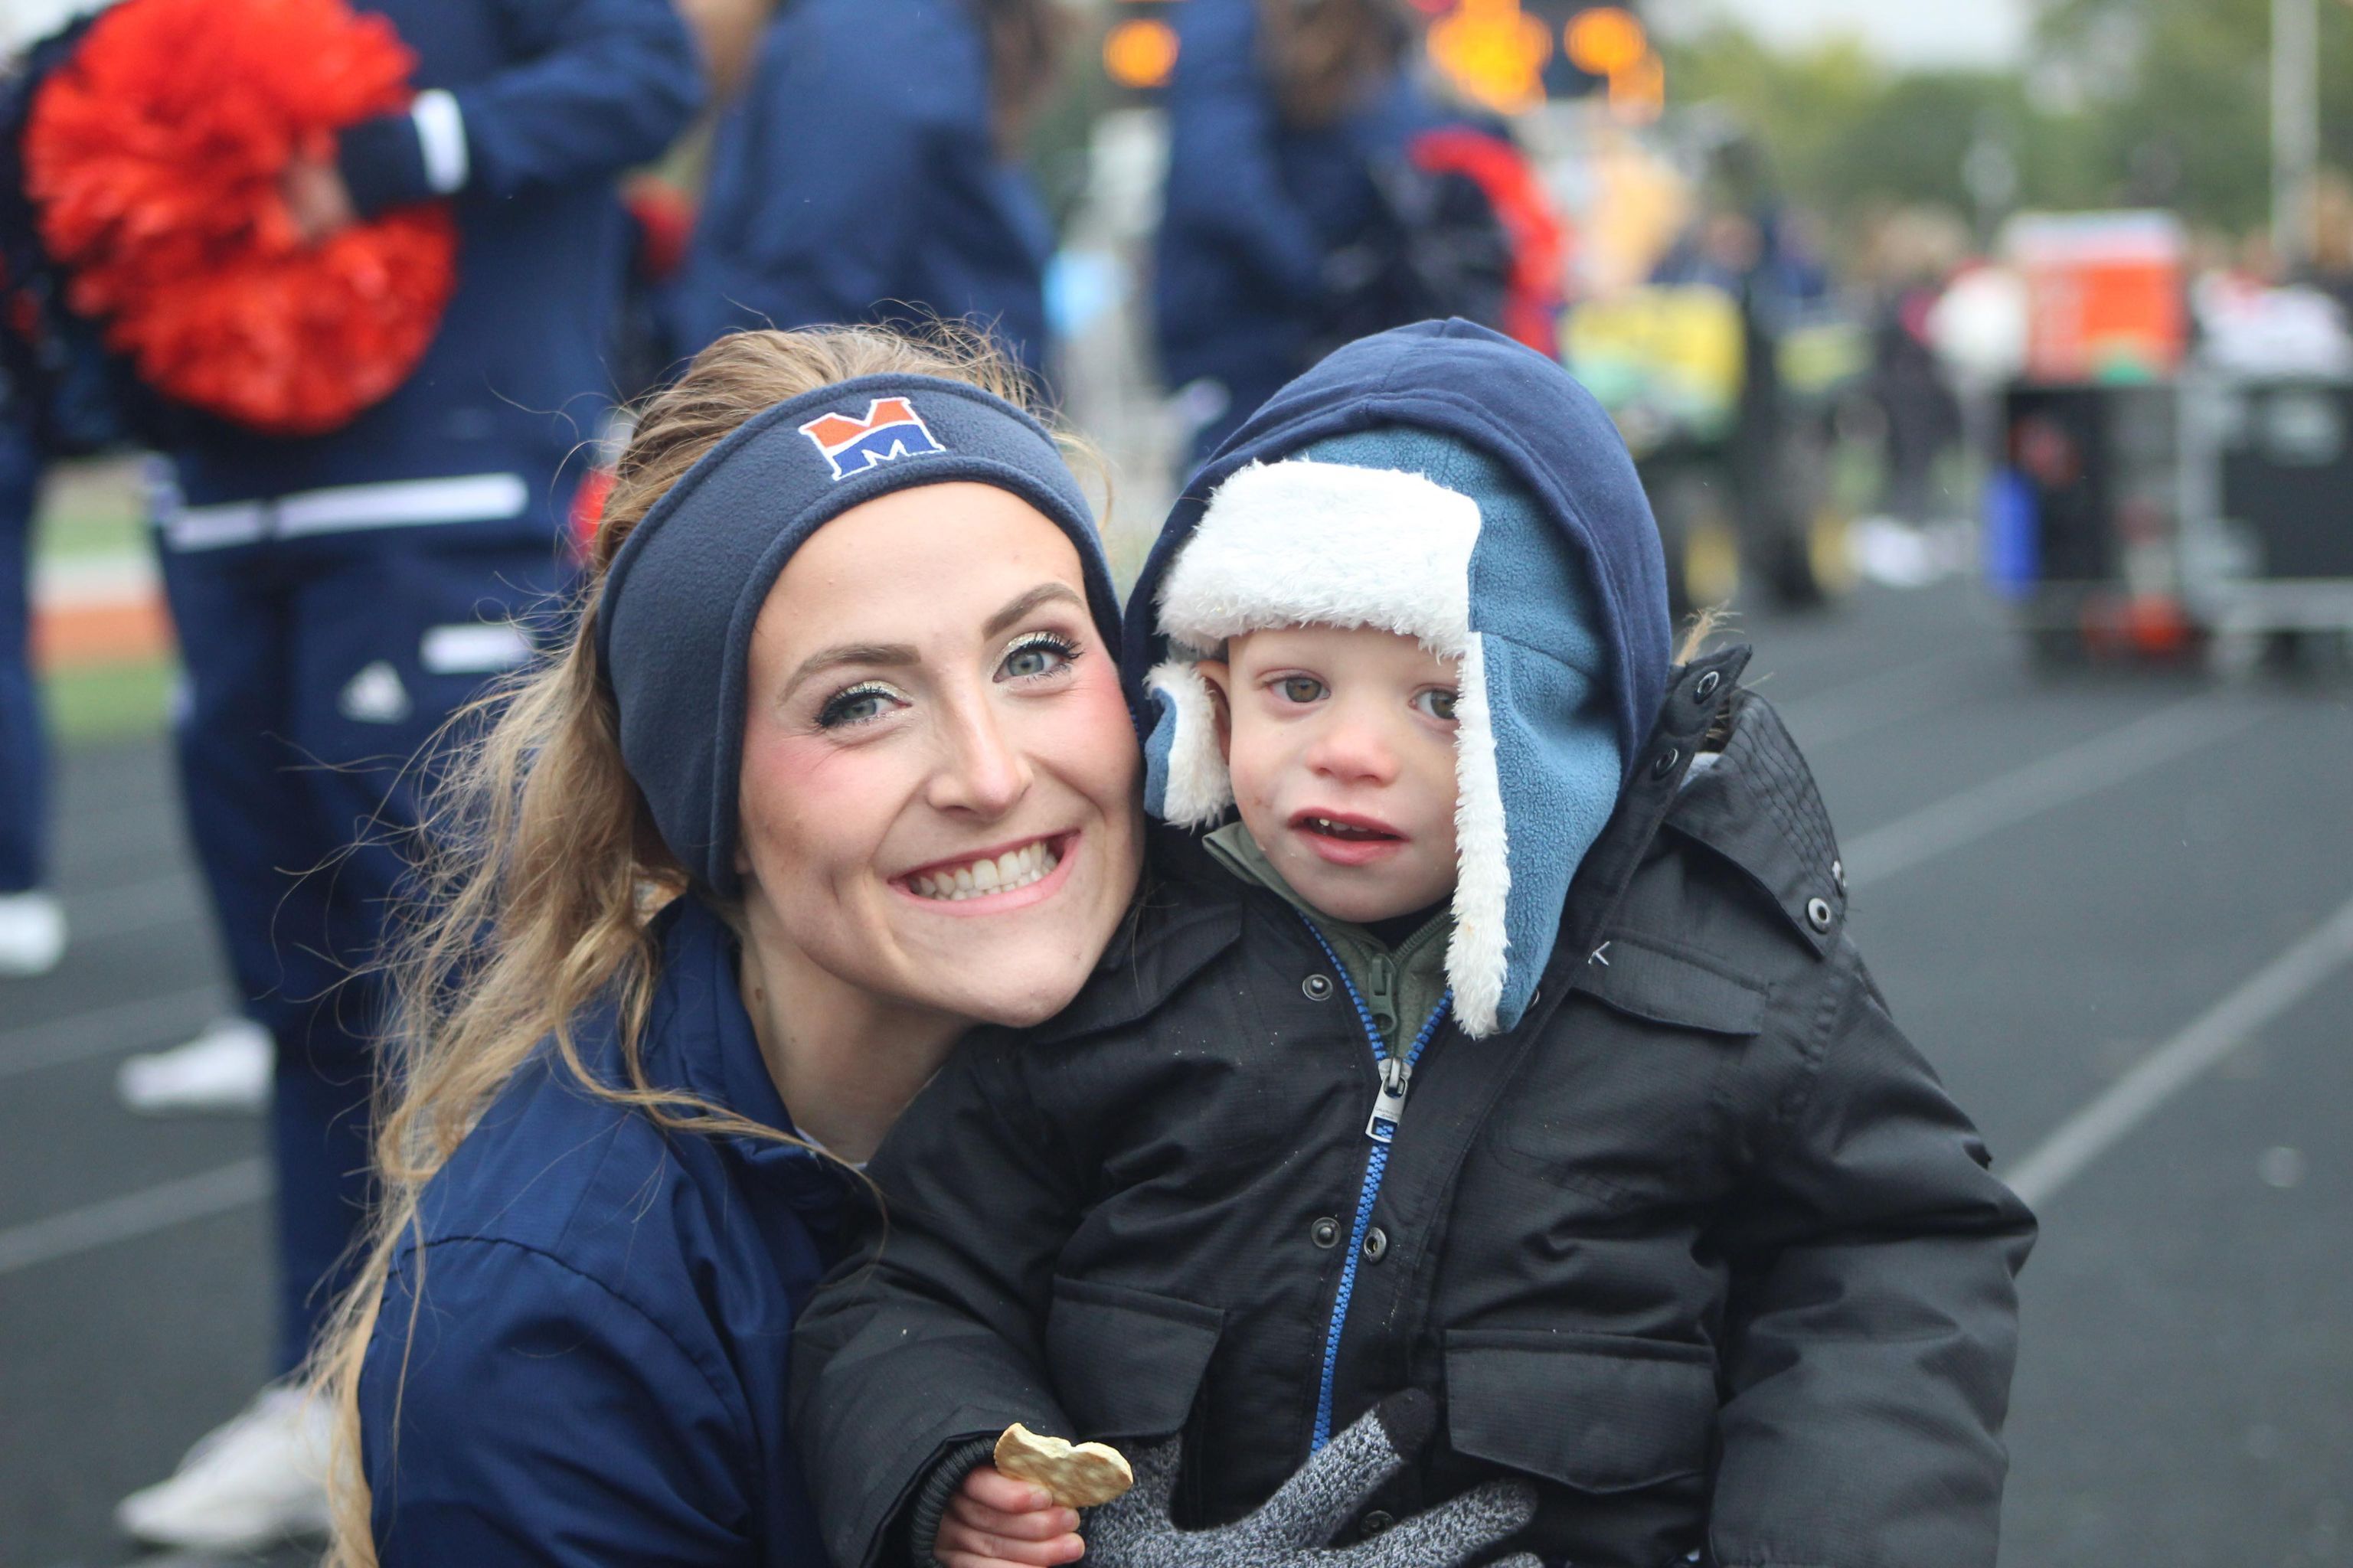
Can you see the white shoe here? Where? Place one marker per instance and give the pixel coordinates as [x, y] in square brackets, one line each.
[257, 1480]
[227, 1069]
[32, 934]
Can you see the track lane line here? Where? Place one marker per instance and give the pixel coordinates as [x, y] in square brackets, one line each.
[1853, 707]
[160, 1207]
[126, 1026]
[2047, 782]
[2180, 1061]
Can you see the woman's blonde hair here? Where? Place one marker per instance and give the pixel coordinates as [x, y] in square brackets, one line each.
[539, 863]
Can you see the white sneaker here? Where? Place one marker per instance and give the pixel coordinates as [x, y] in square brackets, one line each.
[227, 1069]
[257, 1480]
[32, 934]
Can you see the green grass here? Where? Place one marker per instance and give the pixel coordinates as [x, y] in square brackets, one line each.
[109, 703]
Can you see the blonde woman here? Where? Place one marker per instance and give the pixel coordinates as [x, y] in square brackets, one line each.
[835, 765]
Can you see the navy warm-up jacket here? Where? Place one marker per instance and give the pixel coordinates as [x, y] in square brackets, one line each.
[529, 109]
[602, 1312]
[857, 180]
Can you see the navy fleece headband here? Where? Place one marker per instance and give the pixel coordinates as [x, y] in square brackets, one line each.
[674, 619]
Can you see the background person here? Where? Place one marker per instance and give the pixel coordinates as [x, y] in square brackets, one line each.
[869, 172]
[336, 597]
[32, 922]
[1278, 113]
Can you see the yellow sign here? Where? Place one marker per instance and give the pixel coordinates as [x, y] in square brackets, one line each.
[1141, 54]
[1494, 52]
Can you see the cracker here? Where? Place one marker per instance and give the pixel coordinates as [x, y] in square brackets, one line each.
[1081, 1475]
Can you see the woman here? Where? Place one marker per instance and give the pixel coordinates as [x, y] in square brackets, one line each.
[1279, 115]
[835, 765]
[869, 173]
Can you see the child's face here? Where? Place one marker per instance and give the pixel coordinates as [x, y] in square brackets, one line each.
[1341, 744]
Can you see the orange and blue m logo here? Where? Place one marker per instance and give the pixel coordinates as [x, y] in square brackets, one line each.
[892, 428]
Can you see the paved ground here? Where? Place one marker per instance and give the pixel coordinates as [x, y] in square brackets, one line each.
[2094, 902]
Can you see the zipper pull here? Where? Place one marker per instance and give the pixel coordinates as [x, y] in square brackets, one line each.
[1389, 1109]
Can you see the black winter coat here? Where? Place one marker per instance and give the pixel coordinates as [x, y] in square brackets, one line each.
[1701, 1246]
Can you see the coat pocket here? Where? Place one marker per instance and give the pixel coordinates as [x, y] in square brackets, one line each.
[1645, 980]
[1599, 1413]
[1128, 1362]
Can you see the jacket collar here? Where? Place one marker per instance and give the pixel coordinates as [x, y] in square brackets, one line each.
[1759, 807]
[1696, 694]
[1187, 913]
[699, 1038]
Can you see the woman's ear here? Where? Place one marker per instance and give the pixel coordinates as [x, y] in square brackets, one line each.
[1216, 675]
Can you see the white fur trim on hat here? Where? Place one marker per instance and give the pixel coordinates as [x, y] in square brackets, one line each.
[1479, 954]
[1199, 788]
[1304, 543]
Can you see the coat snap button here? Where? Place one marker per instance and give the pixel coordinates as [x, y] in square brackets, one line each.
[1317, 987]
[1375, 1522]
[1817, 914]
[1838, 874]
[1706, 687]
[1324, 1232]
[1665, 763]
[1376, 1245]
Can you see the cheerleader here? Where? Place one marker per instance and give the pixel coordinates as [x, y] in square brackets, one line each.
[337, 596]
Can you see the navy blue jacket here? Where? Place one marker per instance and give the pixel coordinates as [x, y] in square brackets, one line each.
[1254, 205]
[598, 1368]
[858, 177]
[555, 97]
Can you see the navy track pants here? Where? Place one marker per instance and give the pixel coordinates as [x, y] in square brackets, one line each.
[316, 677]
[24, 754]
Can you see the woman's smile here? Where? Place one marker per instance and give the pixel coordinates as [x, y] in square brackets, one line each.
[995, 881]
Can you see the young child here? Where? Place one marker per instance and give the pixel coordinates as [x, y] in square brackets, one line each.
[1499, 1039]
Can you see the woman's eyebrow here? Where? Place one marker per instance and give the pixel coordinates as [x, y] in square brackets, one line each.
[1044, 594]
[870, 653]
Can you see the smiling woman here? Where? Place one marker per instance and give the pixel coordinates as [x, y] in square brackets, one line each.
[834, 766]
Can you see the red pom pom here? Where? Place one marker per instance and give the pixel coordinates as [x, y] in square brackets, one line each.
[155, 156]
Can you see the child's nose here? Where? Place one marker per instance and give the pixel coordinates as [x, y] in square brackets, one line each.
[1356, 749]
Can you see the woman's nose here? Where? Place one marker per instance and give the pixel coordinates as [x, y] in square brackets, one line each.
[982, 772]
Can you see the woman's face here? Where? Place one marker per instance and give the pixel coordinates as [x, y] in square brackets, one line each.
[939, 780]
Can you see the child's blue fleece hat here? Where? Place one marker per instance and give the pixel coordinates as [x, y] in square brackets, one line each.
[1445, 483]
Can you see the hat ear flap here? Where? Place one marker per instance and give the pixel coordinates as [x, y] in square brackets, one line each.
[1478, 955]
[1185, 778]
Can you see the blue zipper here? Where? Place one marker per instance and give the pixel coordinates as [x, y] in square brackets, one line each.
[1381, 1128]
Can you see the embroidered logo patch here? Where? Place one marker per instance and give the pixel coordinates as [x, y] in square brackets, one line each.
[892, 428]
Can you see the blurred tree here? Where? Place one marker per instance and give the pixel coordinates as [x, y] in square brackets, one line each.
[2127, 101]
[1847, 134]
[2177, 101]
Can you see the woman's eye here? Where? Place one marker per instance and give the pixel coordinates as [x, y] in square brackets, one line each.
[1438, 702]
[857, 705]
[1300, 689]
[1035, 656]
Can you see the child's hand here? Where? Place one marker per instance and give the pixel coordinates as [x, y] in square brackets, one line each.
[996, 1521]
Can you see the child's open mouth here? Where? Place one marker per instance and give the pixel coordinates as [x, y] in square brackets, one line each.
[1346, 840]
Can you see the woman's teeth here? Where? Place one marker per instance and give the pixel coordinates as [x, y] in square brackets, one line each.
[1014, 868]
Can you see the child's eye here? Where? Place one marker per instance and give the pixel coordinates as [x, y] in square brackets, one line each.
[861, 704]
[1301, 689]
[1438, 702]
[1037, 654]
